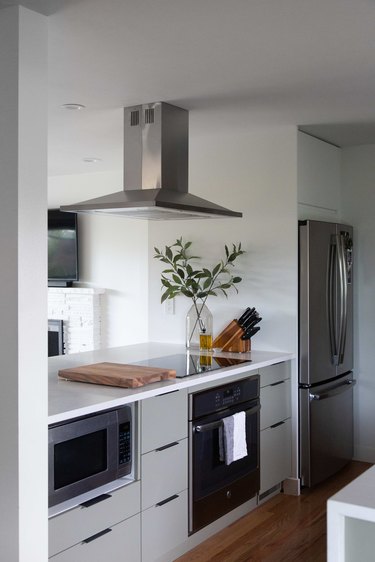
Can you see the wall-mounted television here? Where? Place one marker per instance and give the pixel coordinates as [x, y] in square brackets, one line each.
[62, 248]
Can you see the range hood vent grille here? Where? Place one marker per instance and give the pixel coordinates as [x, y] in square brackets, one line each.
[155, 170]
[134, 118]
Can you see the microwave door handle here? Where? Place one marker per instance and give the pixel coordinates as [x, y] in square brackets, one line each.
[338, 389]
[331, 300]
[343, 296]
[214, 425]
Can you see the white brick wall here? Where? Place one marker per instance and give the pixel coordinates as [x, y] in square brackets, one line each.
[80, 310]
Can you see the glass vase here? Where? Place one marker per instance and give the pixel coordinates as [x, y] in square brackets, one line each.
[199, 327]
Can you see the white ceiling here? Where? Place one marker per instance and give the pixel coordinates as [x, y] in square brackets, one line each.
[297, 62]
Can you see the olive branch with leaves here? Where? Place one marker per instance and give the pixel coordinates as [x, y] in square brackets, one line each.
[181, 278]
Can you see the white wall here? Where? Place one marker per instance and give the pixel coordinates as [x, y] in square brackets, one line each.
[23, 321]
[253, 172]
[113, 256]
[358, 197]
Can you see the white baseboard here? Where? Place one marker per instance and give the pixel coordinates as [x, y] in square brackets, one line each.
[292, 486]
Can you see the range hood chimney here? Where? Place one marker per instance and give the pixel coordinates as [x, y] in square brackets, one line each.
[155, 170]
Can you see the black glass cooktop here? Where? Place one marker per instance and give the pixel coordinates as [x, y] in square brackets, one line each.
[187, 364]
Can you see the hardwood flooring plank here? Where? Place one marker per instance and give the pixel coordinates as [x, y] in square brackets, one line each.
[283, 529]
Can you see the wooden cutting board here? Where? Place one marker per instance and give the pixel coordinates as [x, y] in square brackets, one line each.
[117, 374]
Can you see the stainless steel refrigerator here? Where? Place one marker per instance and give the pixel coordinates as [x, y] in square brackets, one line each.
[325, 349]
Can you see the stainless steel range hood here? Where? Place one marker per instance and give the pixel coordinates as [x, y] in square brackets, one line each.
[155, 170]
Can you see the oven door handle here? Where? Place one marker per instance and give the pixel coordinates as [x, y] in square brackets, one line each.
[219, 423]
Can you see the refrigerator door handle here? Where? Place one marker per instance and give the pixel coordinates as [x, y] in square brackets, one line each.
[343, 296]
[338, 389]
[331, 300]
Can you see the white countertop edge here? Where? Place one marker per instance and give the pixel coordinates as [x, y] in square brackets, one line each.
[128, 396]
[356, 499]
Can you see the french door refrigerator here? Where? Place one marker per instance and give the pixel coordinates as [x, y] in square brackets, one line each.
[325, 349]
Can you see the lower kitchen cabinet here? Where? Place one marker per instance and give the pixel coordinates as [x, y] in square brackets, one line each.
[164, 472]
[275, 454]
[71, 532]
[164, 527]
[164, 479]
[118, 543]
[275, 425]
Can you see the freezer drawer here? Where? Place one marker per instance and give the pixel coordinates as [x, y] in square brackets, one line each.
[326, 429]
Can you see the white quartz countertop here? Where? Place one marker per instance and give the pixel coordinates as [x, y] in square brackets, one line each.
[72, 399]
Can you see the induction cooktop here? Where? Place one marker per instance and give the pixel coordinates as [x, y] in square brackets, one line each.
[187, 364]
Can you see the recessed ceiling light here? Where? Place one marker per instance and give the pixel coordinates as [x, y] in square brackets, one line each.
[73, 106]
[91, 159]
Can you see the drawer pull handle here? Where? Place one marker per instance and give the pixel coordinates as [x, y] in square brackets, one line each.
[167, 446]
[174, 497]
[277, 383]
[276, 425]
[96, 500]
[166, 393]
[97, 536]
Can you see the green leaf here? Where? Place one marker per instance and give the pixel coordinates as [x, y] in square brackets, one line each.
[164, 296]
[176, 279]
[168, 253]
[226, 250]
[187, 293]
[216, 270]
[181, 273]
[237, 279]
[207, 283]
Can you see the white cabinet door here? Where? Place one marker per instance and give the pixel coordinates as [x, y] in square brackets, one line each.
[77, 524]
[120, 543]
[164, 472]
[275, 455]
[164, 420]
[164, 527]
[275, 403]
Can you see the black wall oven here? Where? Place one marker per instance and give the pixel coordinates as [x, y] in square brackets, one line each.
[88, 452]
[216, 488]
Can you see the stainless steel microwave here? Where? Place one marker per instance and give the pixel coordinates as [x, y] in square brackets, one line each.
[88, 452]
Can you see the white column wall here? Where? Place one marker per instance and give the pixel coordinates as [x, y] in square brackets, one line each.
[23, 251]
[358, 207]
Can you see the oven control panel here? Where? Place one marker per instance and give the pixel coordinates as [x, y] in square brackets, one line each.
[228, 396]
[221, 397]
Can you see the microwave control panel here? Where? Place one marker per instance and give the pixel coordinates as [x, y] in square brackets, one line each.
[124, 443]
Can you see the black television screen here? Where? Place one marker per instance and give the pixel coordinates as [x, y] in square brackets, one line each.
[62, 247]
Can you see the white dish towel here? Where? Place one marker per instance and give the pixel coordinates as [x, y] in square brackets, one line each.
[232, 438]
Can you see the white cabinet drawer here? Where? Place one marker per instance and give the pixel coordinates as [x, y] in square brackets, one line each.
[275, 403]
[164, 419]
[77, 524]
[164, 527]
[274, 373]
[164, 472]
[275, 455]
[122, 542]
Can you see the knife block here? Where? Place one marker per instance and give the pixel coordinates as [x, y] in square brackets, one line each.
[230, 339]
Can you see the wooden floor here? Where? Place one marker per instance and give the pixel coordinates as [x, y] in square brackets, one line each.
[284, 529]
